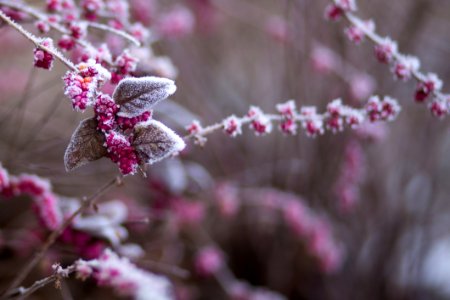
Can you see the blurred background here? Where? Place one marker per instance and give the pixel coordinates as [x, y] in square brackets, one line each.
[361, 214]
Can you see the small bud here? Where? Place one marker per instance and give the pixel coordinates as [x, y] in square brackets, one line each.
[385, 51]
[232, 126]
[439, 108]
[43, 59]
[427, 86]
[194, 128]
[405, 66]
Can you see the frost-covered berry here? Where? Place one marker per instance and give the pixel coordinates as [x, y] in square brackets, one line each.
[121, 152]
[335, 110]
[427, 86]
[138, 31]
[354, 34]
[404, 67]
[66, 43]
[386, 110]
[105, 112]
[42, 26]
[354, 118]
[386, 50]
[289, 126]
[80, 87]
[288, 111]
[54, 5]
[333, 12]
[439, 108]
[194, 128]
[261, 124]
[91, 8]
[78, 30]
[129, 123]
[232, 126]
[42, 58]
[312, 123]
[125, 63]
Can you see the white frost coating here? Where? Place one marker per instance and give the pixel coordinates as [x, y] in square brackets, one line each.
[138, 95]
[127, 280]
[107, 223]
[157, 141]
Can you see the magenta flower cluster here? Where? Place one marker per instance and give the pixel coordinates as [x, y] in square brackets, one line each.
[126, 279]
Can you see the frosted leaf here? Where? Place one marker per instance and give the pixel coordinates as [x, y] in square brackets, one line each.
[137, 95]
[85, 145]
[154, 141]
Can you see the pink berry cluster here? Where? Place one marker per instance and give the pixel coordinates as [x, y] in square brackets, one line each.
[339, 7]
[121, 152]
[43, 59]
[124, 277]
[81, 86]
[124, 65]
[336, 116]
[404, 67]
[45, 202]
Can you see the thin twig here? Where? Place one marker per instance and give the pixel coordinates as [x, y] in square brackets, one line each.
[397, 56]
[115, 31]
[37, 41]
[87, 202]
